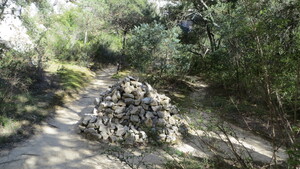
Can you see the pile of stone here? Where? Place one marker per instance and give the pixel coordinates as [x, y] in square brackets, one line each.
[131, 112]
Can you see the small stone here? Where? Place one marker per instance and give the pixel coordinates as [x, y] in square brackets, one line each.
[112, 139]
[137, 102]
[130, 139]
[127, 117]
[134, 118]
[91, 131]
[121, 130]
[93, 119]
[139, 93]
[102, 127]
[149, 115]
[114, 98]
[162, 137]
[115, 120]
[109, 111]
[120, 110]
[104, 135]
[106, 104]
[129, 101]
[136, 83]
[161, 122]
[81, 128]
[124, 122]
[174, 110]
[132, 79]
[154, 120]
[126, 95]
[136, 137]
[105, 120]
[154, 103]
[86, 120]
[108, 98]
[172, 120]
[135, 110]
[98, 124]
[97, 101]
[161, 114]
[170, 139]
[145, 107]
[165, 102]
[148, 87]
[128, 89]
[121, 103]
[175, 128]
[147, 100]
[100, 114]
[148, 122]
[95, 111]
[143, 135]
[91, 125]
[170, 131]
[156, 108]
[133, 129]
[142, 114]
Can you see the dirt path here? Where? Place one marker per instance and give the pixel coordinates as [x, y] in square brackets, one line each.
[245, 141]
[58, 145]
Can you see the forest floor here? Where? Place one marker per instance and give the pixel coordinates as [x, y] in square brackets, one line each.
[57, 145]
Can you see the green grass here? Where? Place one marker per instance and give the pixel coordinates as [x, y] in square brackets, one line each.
[72, 80]
[22, 110]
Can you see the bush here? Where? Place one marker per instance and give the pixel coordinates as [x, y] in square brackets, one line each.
[17, 71]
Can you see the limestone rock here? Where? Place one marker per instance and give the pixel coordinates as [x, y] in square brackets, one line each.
[129, 111]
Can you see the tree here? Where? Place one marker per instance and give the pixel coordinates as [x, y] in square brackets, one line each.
[155, 50]
[127, 14]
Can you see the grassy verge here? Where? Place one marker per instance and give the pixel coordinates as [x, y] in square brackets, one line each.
[71, 79]
[22, 111]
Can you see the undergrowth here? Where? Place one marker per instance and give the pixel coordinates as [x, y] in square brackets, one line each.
[20, 110]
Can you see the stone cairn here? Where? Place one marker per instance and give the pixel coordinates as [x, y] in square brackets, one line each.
[131, 113]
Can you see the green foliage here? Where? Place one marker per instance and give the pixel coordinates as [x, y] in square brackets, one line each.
[294, 154]
[129, 13]
[4, 121]
[71, 79]
[154, 49]
[16, 71]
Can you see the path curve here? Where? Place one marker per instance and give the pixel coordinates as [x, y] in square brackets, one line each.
[58, 145]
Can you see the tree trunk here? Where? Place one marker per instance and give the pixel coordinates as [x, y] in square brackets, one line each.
[85, 37]
[123, 53]
[297, 94]
[39, 64]
[211, 38]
